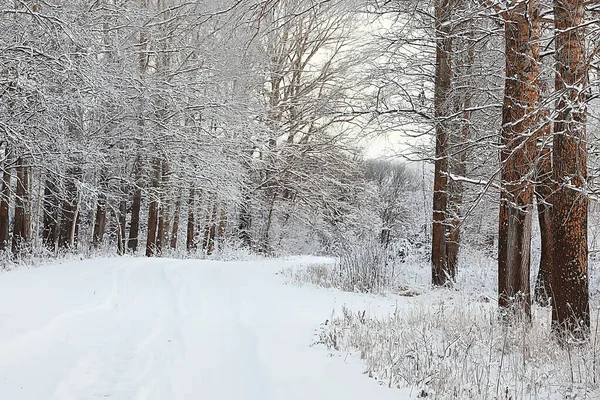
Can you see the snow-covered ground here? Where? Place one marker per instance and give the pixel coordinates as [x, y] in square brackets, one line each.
[127, 328]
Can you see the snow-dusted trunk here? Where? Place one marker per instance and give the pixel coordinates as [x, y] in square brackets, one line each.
[164, 210]
[5, 201]
[543, 290]
[136, 206]
[222, 227]
[519, 150]
[100, 219]
[21, 228]
[190, 240]
[121, 226]
[175, 230]
[212, 231]
[51, 207]
[245, 221]
[570, 311]
[70, 215]
[441, 275]
[153, 209]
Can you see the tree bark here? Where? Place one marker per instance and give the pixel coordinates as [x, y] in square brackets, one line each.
[100, 220]
[68, 225]
[153, 210]
[51, 210]
[175, 230]
[245, 222]
[164, 210]
[121, 226]
[136, 206]
[21, 220]
[543, 289]
[206, 230]
[519, 150]
[212, 231]
[222, 227]
[570, 311]
[5, 202]
[441, 275]
[190, 242]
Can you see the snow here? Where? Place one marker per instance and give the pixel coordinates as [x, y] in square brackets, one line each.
[127, 328]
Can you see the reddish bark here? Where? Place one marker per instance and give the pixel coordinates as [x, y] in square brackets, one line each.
[570, 311]
[519, 130]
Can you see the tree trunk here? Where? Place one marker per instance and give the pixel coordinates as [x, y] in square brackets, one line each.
[441, 275]
[4, 202]
[70, 213]
[570, 311]
[136, 206]
[245, 222]
[121, 221]
[164, 211]
[206, 231]
[543, 290]
[100, 220]
[222, 227]
[265, 245]
[175, 230]
[190, 242]
[20, 230]
[213, 231]
[519, 132]
[51, 211]
[153, 210]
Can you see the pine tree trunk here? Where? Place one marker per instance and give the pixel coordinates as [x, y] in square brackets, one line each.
[51, 208]
[265, 245]
[206, 231]
[441, 275]
[543, 290]
[222, 227]
[164, 210]
[190, 242]
[175, 230]
[519, 132]
[570, 311]
[136, 206]
[213, 231]
[70, 213]
[153, 210]
[245, 222]
[121, 226]
[4, 202]
[19, 239]
[100, 220]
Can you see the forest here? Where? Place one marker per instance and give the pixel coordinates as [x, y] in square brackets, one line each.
[376, 131]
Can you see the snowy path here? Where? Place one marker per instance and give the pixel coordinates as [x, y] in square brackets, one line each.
[169, 330]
